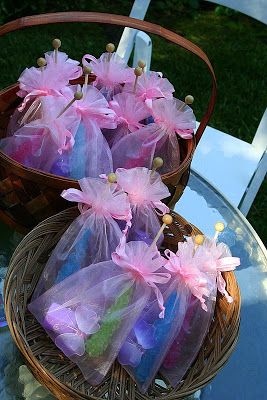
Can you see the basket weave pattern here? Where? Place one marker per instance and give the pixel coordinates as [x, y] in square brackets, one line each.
[57, 372]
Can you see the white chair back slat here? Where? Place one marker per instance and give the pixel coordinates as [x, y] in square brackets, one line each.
[127, 40]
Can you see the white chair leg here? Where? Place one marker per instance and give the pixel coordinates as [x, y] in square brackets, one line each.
[143, 49]
[254, 186]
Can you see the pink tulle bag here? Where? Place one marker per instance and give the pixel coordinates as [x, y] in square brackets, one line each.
[93, 235]
[172, 117]
[35, 83]
[91, 155]
[191, 264]
[148, 342]
[111, 73]
[145, 191]
[44, 142]
[90, 313]
[150, 86]
[130, 112]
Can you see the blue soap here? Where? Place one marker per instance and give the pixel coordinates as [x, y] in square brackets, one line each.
[75, 259]
[162, 328]
[77, 157]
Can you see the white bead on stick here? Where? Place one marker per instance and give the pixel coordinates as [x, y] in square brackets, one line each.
[138, 72]
[112, 178]
[56, 43]
[157, 163]
[219, 227]
[167, 220]
[41, 62]
[77, 96]
[86, 71]
[142, 65]
[110, 48]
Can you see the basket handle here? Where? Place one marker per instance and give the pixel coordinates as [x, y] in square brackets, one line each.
[121, 20]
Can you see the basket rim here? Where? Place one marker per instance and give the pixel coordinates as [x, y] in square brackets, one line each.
[60, 182]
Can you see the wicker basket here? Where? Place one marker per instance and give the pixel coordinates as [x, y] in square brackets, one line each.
[27, 196]
[58, 373]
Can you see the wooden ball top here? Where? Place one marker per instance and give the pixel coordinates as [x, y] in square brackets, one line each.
[167, 219]
[78, 95]
[189, 99]
[112, 178]
[138, 71]
[56, 43]
[87, 70]
[199, 240]
[219, 226]
[41, 62]
[110, 47]
[141, 64]
[157, 162]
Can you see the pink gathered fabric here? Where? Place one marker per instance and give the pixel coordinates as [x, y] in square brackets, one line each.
[145, 191]
[217, 258]
[129, 113]
[144, 187]
[93, 114]
[92, 107]
[111, 71]
[142, 262]
[38, 143]
[93, 235]
[159, 139]
[184, 267]
[151, 86]
[103, 198]
[50, 80]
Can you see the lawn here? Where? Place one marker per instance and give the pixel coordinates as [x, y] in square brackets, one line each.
[236, 46]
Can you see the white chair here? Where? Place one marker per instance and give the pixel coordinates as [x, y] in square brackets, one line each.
[132, 38]
[236, 168]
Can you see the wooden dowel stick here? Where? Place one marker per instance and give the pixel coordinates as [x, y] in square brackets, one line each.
[56, 44]
[138, 72]
[77, 96]
[167, 220]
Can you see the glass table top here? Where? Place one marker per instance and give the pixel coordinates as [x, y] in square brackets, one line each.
[244, 377]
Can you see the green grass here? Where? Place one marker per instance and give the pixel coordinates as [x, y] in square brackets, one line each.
[236, 46]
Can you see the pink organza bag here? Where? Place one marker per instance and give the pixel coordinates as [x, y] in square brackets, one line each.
[111, 72]
[130, 112]
[151, 86]
[158, 139]
[35, 83]
[43, 143]
[90, 313]
[145, 191]
[198, 315]
[91, 155]
[148, 342]
[93, 236]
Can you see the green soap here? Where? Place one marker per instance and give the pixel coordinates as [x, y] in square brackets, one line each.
[97, 343]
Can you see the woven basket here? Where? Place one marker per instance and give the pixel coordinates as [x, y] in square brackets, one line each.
[27, 196]
[57, 372]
